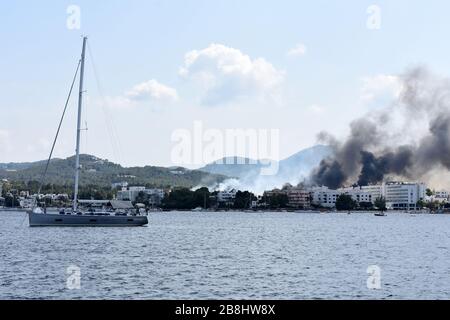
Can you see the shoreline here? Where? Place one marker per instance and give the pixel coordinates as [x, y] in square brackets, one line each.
[299, 211]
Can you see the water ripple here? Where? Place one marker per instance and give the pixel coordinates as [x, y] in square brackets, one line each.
[230, 256]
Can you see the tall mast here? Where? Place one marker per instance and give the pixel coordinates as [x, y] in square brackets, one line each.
[80, 104]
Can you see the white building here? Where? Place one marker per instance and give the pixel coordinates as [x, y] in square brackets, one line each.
[116, 185]
[376, 191]
[441, 194]
[357, 194]
[155, 195]
[438, 196]
[404, 195]
[131, 193]
[155, 192]
[324, 197]
[226, 197]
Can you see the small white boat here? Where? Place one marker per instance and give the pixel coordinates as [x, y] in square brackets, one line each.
[380, 214]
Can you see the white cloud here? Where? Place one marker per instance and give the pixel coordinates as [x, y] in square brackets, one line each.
[298, 50]
[146, 92]
[152, 90]
[316, 109]
[118, 102]
[380, 89]
[226, 74]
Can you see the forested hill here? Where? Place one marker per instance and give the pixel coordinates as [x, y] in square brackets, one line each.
[102, 172]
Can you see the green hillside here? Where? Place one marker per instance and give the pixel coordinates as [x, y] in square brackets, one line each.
[101, 172]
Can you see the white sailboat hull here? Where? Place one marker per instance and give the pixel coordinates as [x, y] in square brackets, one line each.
[59, 220]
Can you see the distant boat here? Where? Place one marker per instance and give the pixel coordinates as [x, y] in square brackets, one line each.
[39, 217]
[380, 214]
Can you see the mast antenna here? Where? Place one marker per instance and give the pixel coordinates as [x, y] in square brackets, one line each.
[80, 105]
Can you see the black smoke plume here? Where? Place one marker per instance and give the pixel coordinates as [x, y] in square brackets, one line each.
[375, 168]
[371, 153]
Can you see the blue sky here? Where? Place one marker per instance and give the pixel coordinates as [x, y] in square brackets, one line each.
[135, 42]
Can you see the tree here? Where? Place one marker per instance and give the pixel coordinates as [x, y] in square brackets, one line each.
[276, 201]
[345, 202]
[201, 198]
[429, 192]
[380, 203]
[11, 201]
[182, 199]
[433, 205]
[420, 204]
[93, 192]
[143, 198]
[243, 200]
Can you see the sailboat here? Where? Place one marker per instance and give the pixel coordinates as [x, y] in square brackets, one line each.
[39, 217]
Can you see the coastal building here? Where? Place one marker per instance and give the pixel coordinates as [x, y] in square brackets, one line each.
[404, 195]
[398, 195]
[273, 192]
[324, 197]
[120, 185]
[358, 194]
[441, 197]
[155, 196]
[299, 198]
[441, 194]
[376, 191]
[226, 197]
[155, 192]
[131, 193]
